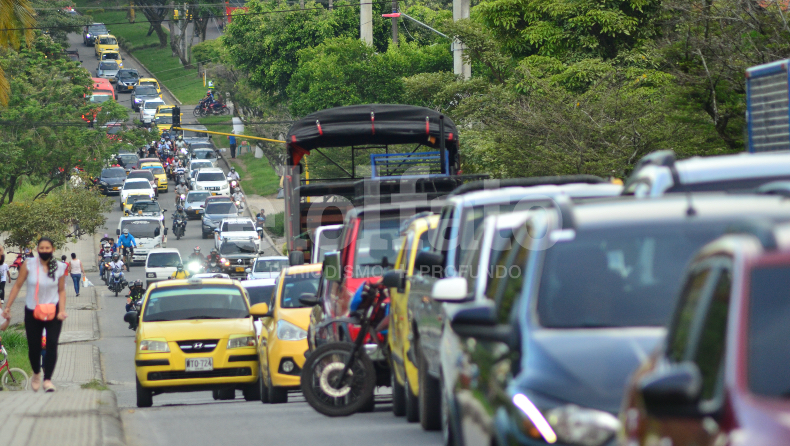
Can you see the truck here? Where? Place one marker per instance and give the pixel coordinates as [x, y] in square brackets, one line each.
[148, 232]
[767, 107]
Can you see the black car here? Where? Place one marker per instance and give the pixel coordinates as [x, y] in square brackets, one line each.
[92, 31]
[127, 79]
[111, 180]
[73, 55]
[237, 256]
[142, 93]
[544, 358]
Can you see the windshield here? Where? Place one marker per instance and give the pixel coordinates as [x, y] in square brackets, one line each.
[164, 260]
[164, 120]
[617, 277]
[149, 84]
[107, 41]
[141, 228]
[238, 247]
[200, 165]
[270, 266]
[144, 174]
[97, 29]
[142, 90]
[205, 154]
[149, 206]
[187, 134]
[377, 241]
[260, 294]
[113, 173]
[128, 159]
[238, 227]
[156, 170]
[108, 66]
[294, 285]
[110, 56]
[134, 185]
[769, 309]
[211, 176]
[131, 199]
[99, 98]
[124, 74]
[221, 208]
[151, 105]
[195, 302]
[198, 196]
[328, 241]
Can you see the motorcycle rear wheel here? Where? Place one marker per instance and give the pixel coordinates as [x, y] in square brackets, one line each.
[325, 364]
[13, 272]
[196, 112]
[224, 111]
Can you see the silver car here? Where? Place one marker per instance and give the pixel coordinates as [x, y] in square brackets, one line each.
[108, 69]
[267, 267]
[194, 204]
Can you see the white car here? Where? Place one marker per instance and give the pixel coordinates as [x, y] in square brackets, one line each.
[268, 267]
[148, 110]
[136, 186]
[212, 180]
[200, 164]
[237, 229]
[161, 264]
[149, 233]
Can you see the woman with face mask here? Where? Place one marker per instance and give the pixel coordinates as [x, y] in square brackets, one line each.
[45, 308]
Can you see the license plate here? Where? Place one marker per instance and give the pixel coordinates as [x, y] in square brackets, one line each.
[199, 364]
[213, 193]
[239, 269]
[197, 212]
[115, 188]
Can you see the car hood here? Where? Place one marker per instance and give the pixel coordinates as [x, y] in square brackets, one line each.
[145, 97]
[240, 255]
[196, 329]
[586, 367]
[113, 181]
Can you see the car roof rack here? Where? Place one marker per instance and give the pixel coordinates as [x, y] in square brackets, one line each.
[763, 230]
[526, 182]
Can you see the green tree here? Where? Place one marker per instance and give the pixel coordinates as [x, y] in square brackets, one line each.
[56, 23]
[14, 14]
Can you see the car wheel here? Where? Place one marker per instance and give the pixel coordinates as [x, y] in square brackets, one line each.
[227, 394]
[412, 403]
[277, 395]
[398, 395]
[215, 394]
[430, 402]
[144, 396]
[263, 388]
[252, 392]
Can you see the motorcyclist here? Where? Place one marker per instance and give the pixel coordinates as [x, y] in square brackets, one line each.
[239, 197]
[117, 264]
[136, 292]
[181, 189]
[180, 144]
[126, 241]
[152, 149]
[106, 239]
[180, 213]
[213, 256]
[209, 101]
[180, 273]
[105, 255]
[233, 175]
[196, 255]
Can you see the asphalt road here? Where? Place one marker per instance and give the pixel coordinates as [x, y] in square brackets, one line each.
[193, 419]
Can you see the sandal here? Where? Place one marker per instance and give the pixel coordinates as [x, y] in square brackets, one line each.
[48, 386]
[35, 382]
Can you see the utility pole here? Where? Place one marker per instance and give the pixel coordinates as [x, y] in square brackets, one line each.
[366, 21]
[394, 23]
[330, 5]
[460, 68]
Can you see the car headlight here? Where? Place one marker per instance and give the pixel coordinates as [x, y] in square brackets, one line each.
[136, 100]
[103, 183]
[239, 341]
[226, 186]
[287, 331]
[581, 426]
[154, 345]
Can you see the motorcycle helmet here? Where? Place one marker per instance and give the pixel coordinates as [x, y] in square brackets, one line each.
[197, 249]
[232, 169]
[237, 190]
[214, 250]
[180, 138]
[106, 236]
[138, 282]
[115, 257]
[125, 231]
[180, 208]
[180, 267]
[182, 182]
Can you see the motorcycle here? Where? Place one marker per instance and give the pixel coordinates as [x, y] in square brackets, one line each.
[181, 200]
[107, 269]
[203, 109]
[180, 228]
[239, 204]
[117, 281]
[195, 266]
[213, 267]
[13, 270]
[132, 316]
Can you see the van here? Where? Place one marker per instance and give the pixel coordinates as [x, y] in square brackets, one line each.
[160, 264]
[148, 232]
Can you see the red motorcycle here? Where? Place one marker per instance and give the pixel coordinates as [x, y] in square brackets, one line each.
[13, 270]
[204, 109]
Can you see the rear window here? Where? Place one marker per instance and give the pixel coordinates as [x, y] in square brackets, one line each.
[152, 105]
[142, 90]
[211, 176]
[260, 294]
[270, 266]
[221, 208]
[376, 247]
[163, 260]
[108, 66]
[294, 285]
[195, 302]
[769, 330]
[135, 185]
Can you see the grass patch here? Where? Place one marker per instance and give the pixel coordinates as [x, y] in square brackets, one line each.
[15, 342]
[95, 384]
[278, 230]
[257, 176]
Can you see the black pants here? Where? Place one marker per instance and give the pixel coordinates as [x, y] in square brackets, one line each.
[2, 291]
[34, 329]
[233, 150]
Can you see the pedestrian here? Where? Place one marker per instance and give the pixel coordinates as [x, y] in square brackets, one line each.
[77, 271]
[5, 277]
[63, 259]
[45, 308]
[232, 141]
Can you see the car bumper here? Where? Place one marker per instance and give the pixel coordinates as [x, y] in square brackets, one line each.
[207, 229]
[194, 214]
[107, 190]
[239, 367]
[279, 353]
[162, 187]
[236, 270]
[140, 255]
[122, 87]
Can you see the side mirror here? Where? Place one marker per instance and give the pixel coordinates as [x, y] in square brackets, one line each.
[309, 299]
[672, 391]
[117, 232]
[331, 268]
[295, 258]
[452, 289]
[216, 230]
[395, 279]
[260, 310]
[429, 263]
[156, 232]
[480, 322]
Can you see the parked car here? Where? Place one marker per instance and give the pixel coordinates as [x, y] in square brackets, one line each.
[111, 180]
[545, 356]
[267, 267]
[721, 372]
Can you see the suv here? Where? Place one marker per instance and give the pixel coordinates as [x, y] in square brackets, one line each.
[238, 255]
[127, 80]
[214, 213]
[142, 93]
[721, 373]
[212, 180]
[160, 264]
[148, 108]
[659, 173]
[237, 228]
[580, 309]
[92, 31]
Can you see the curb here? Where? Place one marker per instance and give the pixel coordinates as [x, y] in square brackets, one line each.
[112, 433]
[161, 84]
[97, 369]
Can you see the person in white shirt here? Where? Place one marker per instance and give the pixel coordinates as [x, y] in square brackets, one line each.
[76, 270]
[5, 277]
[233, 175]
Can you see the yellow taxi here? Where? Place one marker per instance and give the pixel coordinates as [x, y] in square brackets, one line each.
[283, 338]
[112, 55]
[193, 335]
[151, 82]
[126, 205]
[106, 42]
[158, 170]
[162, 122]
[166, 108]
[404, 372]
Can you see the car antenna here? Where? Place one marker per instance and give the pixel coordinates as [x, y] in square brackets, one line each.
[690, 211]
